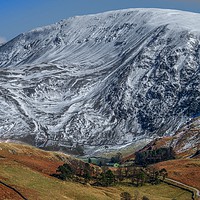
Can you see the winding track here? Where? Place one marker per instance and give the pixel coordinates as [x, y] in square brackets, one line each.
[187, 186]
[168, 179]
[16, 191]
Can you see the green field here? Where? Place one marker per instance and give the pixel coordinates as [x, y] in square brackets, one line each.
[35, 185]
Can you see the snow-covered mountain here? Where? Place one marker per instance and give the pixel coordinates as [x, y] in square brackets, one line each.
[110, 78]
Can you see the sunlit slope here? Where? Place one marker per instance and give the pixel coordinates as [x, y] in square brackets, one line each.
[19, 171]
[104, 79]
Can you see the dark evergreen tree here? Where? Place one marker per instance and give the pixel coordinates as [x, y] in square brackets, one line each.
[107, 178]
[87, 172]
[65, 172]
[89, 160]
[100, 164]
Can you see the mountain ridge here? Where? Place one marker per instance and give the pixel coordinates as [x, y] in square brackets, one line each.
[153, 17]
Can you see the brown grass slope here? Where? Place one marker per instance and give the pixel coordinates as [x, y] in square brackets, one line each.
[27, 169]
[186, 171]
[185, 143]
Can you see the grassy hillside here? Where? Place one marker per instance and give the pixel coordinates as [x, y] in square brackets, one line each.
[185, 145]
[184, 170]
[27, 170]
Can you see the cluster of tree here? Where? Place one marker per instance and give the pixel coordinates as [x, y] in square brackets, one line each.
[117, 158]
[100, 161]
[64, 172]
[107, 178]
[139, 176]
[145, 158]
[103, 176]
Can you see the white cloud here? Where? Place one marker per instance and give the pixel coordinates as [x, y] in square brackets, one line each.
[2, 40]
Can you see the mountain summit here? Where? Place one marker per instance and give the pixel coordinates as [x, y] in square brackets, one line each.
[104, 79]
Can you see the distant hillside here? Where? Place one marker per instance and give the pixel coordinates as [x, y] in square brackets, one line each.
[185, 142]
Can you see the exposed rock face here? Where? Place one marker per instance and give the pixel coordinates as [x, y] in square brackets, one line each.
[185, 142]
[109, 78]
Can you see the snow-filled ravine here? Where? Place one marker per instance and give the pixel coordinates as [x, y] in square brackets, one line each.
[106, 79]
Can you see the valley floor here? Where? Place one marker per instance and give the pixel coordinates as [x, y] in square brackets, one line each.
[27, 169]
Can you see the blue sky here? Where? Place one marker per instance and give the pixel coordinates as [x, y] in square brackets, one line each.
[19, 16]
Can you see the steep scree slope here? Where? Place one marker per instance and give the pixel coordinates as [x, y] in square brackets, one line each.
[109, 78]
